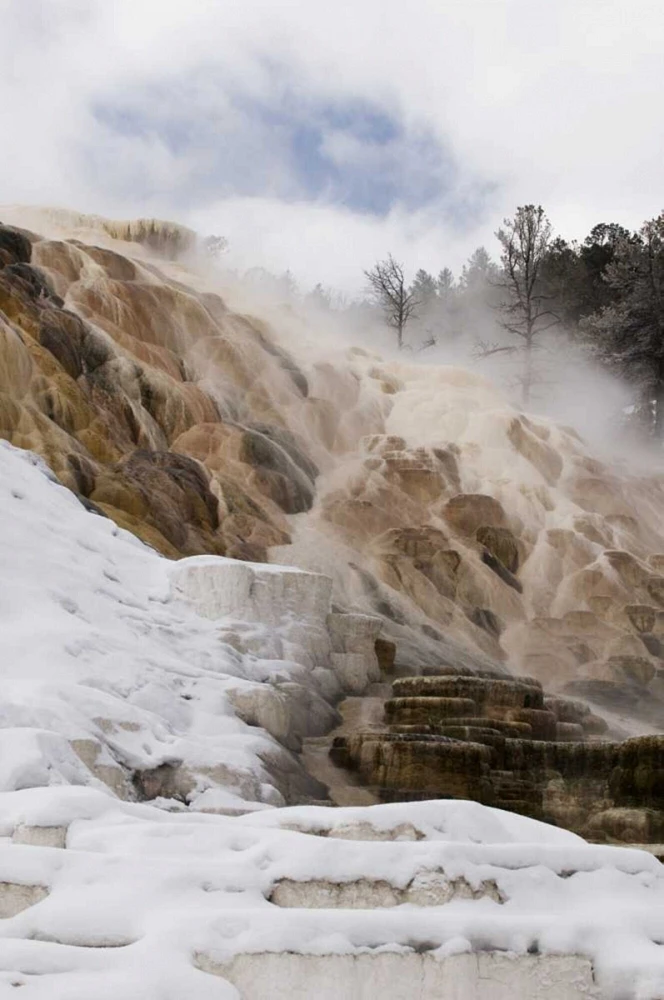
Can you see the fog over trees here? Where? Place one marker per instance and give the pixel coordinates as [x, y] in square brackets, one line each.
[603, 296]
[539, 300]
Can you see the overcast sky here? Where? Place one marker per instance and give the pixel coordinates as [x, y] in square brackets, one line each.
[320, 135]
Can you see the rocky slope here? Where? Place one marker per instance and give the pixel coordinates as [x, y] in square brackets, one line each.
[481, 536]
[149, 715]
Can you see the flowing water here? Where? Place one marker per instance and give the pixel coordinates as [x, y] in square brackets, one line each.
[364, 714]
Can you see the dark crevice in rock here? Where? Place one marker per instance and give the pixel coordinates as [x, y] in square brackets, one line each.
[15, 247]
[495, 564]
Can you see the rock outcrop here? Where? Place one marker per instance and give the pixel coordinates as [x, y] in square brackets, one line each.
[501, 742]
[107, 369]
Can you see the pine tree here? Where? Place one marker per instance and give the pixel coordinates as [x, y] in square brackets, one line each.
[628, 335]
[424, 288]
[445, 283]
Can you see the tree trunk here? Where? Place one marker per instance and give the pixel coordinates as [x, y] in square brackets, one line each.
[659, 411]
[527, 383]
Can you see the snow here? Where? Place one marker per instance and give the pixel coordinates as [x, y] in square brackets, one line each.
[220, 587]
[109, 672]
[97, 653]
[139, 892]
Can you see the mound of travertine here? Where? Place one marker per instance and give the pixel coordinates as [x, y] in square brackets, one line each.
[479, 535]
[500, 741]
[115, 376]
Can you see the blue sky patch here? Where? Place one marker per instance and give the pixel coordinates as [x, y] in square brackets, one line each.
[348, 153]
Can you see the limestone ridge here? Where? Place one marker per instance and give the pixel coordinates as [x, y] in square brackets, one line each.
[479, 536]
[170, 240]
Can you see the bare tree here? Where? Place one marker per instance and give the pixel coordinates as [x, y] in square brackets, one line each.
[525, 242]
[388, 288]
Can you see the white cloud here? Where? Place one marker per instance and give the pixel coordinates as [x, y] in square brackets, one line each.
[322, 242]
[557, 102]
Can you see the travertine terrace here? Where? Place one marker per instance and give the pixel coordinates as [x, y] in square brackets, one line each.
[429, 501]
[500, 741]
[324, 532]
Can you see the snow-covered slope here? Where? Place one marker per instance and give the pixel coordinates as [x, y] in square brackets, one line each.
[108, 680]
[316, 902]
[112, 682]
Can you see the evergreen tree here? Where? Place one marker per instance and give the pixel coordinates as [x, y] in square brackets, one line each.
[470, 301]
[424, 289]
[445, 283]
[596, 253]
[628, 334]
[574, 275]
[479, 272]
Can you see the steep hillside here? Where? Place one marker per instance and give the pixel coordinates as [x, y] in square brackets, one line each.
[478, 534]
[168, 709]
[141, 852]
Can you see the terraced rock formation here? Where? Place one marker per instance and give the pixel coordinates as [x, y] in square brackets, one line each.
[479, 536]
[500, 741]
[114, 375]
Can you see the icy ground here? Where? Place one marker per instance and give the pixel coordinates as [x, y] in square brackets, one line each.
[107, 679]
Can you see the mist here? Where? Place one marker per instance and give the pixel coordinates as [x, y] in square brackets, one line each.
[571, 389]
[332, 487]
[315, 147]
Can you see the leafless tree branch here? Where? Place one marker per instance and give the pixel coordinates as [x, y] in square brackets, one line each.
[387, 286]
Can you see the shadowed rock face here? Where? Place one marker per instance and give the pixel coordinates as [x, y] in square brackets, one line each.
[530, 441]
[284, 473]
[175, 494]
[502, 545]
[15, 247]
[468, 512]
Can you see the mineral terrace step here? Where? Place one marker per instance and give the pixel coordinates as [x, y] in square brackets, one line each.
[427, 888]
[16, 897]
[524, 807]
[655, 849]
[487, 975]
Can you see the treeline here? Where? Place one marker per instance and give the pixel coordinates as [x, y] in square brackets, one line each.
[541, 298]
[604, 294]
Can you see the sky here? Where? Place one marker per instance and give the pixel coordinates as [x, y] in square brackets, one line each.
[319, 136]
